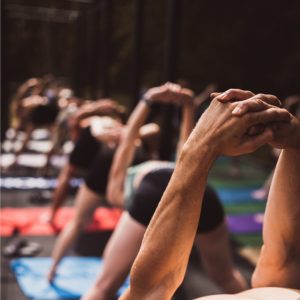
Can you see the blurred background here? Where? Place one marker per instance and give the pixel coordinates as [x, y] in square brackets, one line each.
[118, 49]
[113, 48]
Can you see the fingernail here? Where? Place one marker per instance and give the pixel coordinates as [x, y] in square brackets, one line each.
[222, 96]
[237, 110]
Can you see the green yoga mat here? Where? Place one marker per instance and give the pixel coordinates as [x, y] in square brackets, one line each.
[245, 208]
[249, 239]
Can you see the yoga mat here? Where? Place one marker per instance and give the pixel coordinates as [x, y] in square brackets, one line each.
[40, 134]
[36, 146]
[32, 221]
[237, 195]
[32, 160]
[245, 208]
[28, 183]
[243, 224]
[249, 239]
[75, 275]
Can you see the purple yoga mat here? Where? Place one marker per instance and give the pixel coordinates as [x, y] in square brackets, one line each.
[243, 224]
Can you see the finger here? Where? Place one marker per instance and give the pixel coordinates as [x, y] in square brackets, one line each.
[252, 143]
[235, 94]
[256, 129]
[250, 105]
[214, 95]
[270, 99]
[267, 116]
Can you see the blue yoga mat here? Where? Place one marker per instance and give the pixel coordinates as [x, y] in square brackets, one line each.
[75, 275]
[234, 196]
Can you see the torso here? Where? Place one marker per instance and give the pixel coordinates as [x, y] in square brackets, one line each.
[267, 293]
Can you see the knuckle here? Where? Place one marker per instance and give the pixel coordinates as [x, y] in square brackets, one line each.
[259, 102]
[249, 93]
[230, 91]
[261, 96]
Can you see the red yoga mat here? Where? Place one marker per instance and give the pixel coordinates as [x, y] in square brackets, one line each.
[30, 221]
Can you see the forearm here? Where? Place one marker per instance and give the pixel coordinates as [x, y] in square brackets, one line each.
[22, 91]
[282, 218]
[187, 125]
[178, 215]
[125, 153]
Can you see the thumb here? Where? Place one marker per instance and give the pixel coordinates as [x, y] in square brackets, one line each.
[252, 143]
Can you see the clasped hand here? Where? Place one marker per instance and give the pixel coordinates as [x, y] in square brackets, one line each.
[239, 122]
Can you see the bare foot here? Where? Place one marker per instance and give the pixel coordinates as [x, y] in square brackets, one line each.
[261, 194]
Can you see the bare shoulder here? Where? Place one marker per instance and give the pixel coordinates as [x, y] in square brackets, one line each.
[267, 293]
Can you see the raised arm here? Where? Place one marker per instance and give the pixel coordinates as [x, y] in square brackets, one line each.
[161, 263]
[279, 264]
[125, 152]
[98, 108]
[202, 97]
[187, 124]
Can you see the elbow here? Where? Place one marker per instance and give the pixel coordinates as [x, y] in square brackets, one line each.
[114, 197]
[145, 287]
[110, 195]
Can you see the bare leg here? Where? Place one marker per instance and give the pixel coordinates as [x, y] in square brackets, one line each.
[62, 190]
[215, 249]
[85, 204]
[119, 255]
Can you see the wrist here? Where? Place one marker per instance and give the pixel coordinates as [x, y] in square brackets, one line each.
[150, 95]
[199, 153]
[147, 101]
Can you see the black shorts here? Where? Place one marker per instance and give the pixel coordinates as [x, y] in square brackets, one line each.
[85, 151]
[150, 191]
[97, 177]
[44, 114]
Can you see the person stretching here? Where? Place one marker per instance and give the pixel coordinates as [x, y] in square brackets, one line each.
[140, 189]
[224, 129]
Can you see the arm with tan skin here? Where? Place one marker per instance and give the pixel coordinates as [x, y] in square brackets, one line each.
[187, 125]
[279, 264]
[98, 108]
[125, 152]
[202, 97]
[167, 244]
